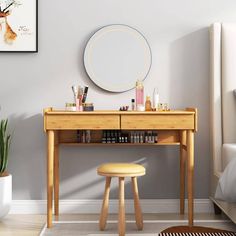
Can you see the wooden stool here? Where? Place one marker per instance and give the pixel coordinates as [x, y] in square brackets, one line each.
[121, 170]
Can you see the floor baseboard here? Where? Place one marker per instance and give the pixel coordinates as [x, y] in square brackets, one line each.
[94, 206]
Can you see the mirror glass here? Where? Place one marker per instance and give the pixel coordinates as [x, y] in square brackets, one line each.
[116, 56]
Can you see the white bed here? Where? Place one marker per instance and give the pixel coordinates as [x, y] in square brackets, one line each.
[223, 106]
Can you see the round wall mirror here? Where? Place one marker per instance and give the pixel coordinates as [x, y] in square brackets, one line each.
[116, 56]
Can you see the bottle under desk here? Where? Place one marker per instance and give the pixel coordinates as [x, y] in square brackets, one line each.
[175, 127]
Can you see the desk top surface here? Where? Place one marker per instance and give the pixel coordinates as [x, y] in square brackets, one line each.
[50, 111]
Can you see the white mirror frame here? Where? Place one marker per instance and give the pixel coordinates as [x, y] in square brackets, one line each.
[116, 74]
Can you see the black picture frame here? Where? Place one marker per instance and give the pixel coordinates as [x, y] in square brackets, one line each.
[36, 35]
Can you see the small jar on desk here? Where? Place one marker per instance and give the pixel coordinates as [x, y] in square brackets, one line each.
[88, 107]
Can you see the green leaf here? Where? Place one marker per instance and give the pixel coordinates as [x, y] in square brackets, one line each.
[6, 153]
[4, 145]
[1, 146]
[5, 125]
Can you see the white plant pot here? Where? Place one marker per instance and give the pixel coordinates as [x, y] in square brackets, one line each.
[5, 195]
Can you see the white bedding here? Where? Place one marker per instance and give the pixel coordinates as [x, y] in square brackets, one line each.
[226, 189]
[228, 153]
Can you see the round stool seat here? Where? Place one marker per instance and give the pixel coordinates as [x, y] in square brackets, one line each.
[121, 169]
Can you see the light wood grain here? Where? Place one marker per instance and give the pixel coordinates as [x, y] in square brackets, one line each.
[121, 221]
[161, 122]
[56, 177]
[70, 136]
[120, 144]
[183, 137]
[195, 110]
[165, 137]
[168, 136]
[82, 121]
[168, 124]
[182, 170]
[45, 112]
[22, 225]
[105, 205]
[112, 112]
[50, 163]
[31, 225]
[137, 207]
[121, 175]
[190, 162]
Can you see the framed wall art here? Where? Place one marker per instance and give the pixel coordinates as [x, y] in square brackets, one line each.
[18, 25]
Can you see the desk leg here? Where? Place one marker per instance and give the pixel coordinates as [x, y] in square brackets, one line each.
[182, 170]
[56, 179]
[190, 152]
[50, 158]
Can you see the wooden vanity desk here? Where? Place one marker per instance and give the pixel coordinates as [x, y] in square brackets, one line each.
[173, 127]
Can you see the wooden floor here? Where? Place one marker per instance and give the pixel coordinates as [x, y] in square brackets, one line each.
[31, 225]
[22, 225]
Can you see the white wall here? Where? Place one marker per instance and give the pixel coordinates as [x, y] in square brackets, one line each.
[178, 35]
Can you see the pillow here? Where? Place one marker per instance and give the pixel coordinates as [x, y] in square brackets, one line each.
[226, 187]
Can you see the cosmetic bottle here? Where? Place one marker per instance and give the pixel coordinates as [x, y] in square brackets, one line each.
[133, 104]
[138, 137]
[88, 136]
[131, 137]
[153, 137]
[155, 99]
[150, 137]
[156, 137]
[148, 105]
[141, 137]
[104, 136]
[78, 136]
[134, 137]
[146, 137]
[116, 137]
[113, 136]
[139, 96]
[108, 136]
[83, 136]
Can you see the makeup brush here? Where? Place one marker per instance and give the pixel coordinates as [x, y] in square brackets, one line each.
[75, 92]
[85, 94]
[79, 98]
[80, 93]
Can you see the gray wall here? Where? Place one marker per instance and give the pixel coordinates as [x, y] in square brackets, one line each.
[178, 35]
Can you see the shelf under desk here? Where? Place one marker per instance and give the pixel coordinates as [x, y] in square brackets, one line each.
[173, 127]
[119, 144]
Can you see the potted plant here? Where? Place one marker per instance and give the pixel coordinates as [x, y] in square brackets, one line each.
[5, 177]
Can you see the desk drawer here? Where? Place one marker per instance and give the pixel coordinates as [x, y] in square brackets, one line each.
[70, 121]
[161, 122]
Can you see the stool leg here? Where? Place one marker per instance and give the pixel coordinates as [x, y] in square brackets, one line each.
[137, 207]
[105, 204]
[121, 225]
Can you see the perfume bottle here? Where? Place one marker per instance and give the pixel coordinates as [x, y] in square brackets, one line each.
[148, 105]
[132, 104]
[139, 96]
[155, 99]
